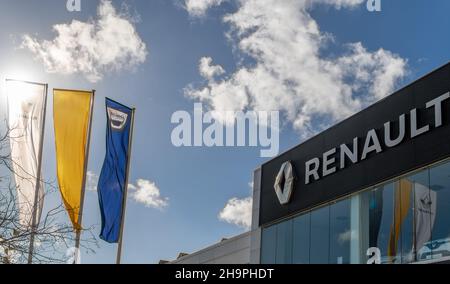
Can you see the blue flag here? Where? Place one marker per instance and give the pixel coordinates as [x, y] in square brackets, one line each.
[111, 184]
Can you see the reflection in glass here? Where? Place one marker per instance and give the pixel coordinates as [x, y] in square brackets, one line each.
[379, 228]
[268, 245]
[284, 243]
[412, 188]
[301, 239]
[320, 235]
[438, 203]
[340, 232]
[407, 220]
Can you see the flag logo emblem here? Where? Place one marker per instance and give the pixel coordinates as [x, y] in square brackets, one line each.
[117, 118]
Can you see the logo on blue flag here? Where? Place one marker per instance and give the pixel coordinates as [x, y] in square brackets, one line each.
[117, 119]
[111, 185]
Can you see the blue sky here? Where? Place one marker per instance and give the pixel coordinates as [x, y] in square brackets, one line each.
[198, 182]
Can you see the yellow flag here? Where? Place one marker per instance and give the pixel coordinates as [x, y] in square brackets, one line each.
[71, 115]
[402, 206]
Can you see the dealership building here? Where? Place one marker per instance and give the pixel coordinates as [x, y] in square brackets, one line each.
[374, 188]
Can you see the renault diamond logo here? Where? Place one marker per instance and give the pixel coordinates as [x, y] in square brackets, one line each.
[284, 183]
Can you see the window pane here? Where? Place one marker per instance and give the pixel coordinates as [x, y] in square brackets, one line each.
[378, 219]
[411, 187]
[284, 243]
[320, 235]
[301, 239]
[340, 232]
[268, 247]
[438, 202]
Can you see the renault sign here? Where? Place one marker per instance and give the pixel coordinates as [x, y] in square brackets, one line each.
[405, 131]
[284, 183]
[317, 168]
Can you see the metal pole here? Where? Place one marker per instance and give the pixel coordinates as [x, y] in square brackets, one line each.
[38, 183]
[124, 202]
[83, 188]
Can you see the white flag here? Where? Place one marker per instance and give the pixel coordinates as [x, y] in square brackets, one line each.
[425, 203]
[26, 115]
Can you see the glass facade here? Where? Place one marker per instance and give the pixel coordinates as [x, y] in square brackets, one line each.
[340, 232]
[405, 220]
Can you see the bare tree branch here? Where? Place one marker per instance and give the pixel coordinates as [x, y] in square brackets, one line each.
[52, 237]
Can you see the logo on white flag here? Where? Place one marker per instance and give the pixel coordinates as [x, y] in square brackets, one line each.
[25, 116]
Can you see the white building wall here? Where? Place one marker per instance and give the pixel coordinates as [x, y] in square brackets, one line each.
[255, 247]
[233, 251]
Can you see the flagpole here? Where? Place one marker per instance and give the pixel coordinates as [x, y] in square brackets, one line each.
[38, 183]
[124, 202]
[83, 189]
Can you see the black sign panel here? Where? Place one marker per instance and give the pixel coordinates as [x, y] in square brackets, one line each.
[409, 155]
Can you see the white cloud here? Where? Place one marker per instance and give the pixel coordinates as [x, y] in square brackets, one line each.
[347, 236]
[147, 193]
[289, 71]
[209, 71]
[198, 8]
[338, 3]
[92, 48]
[144, 192]
[238, 212]
[92, 181]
